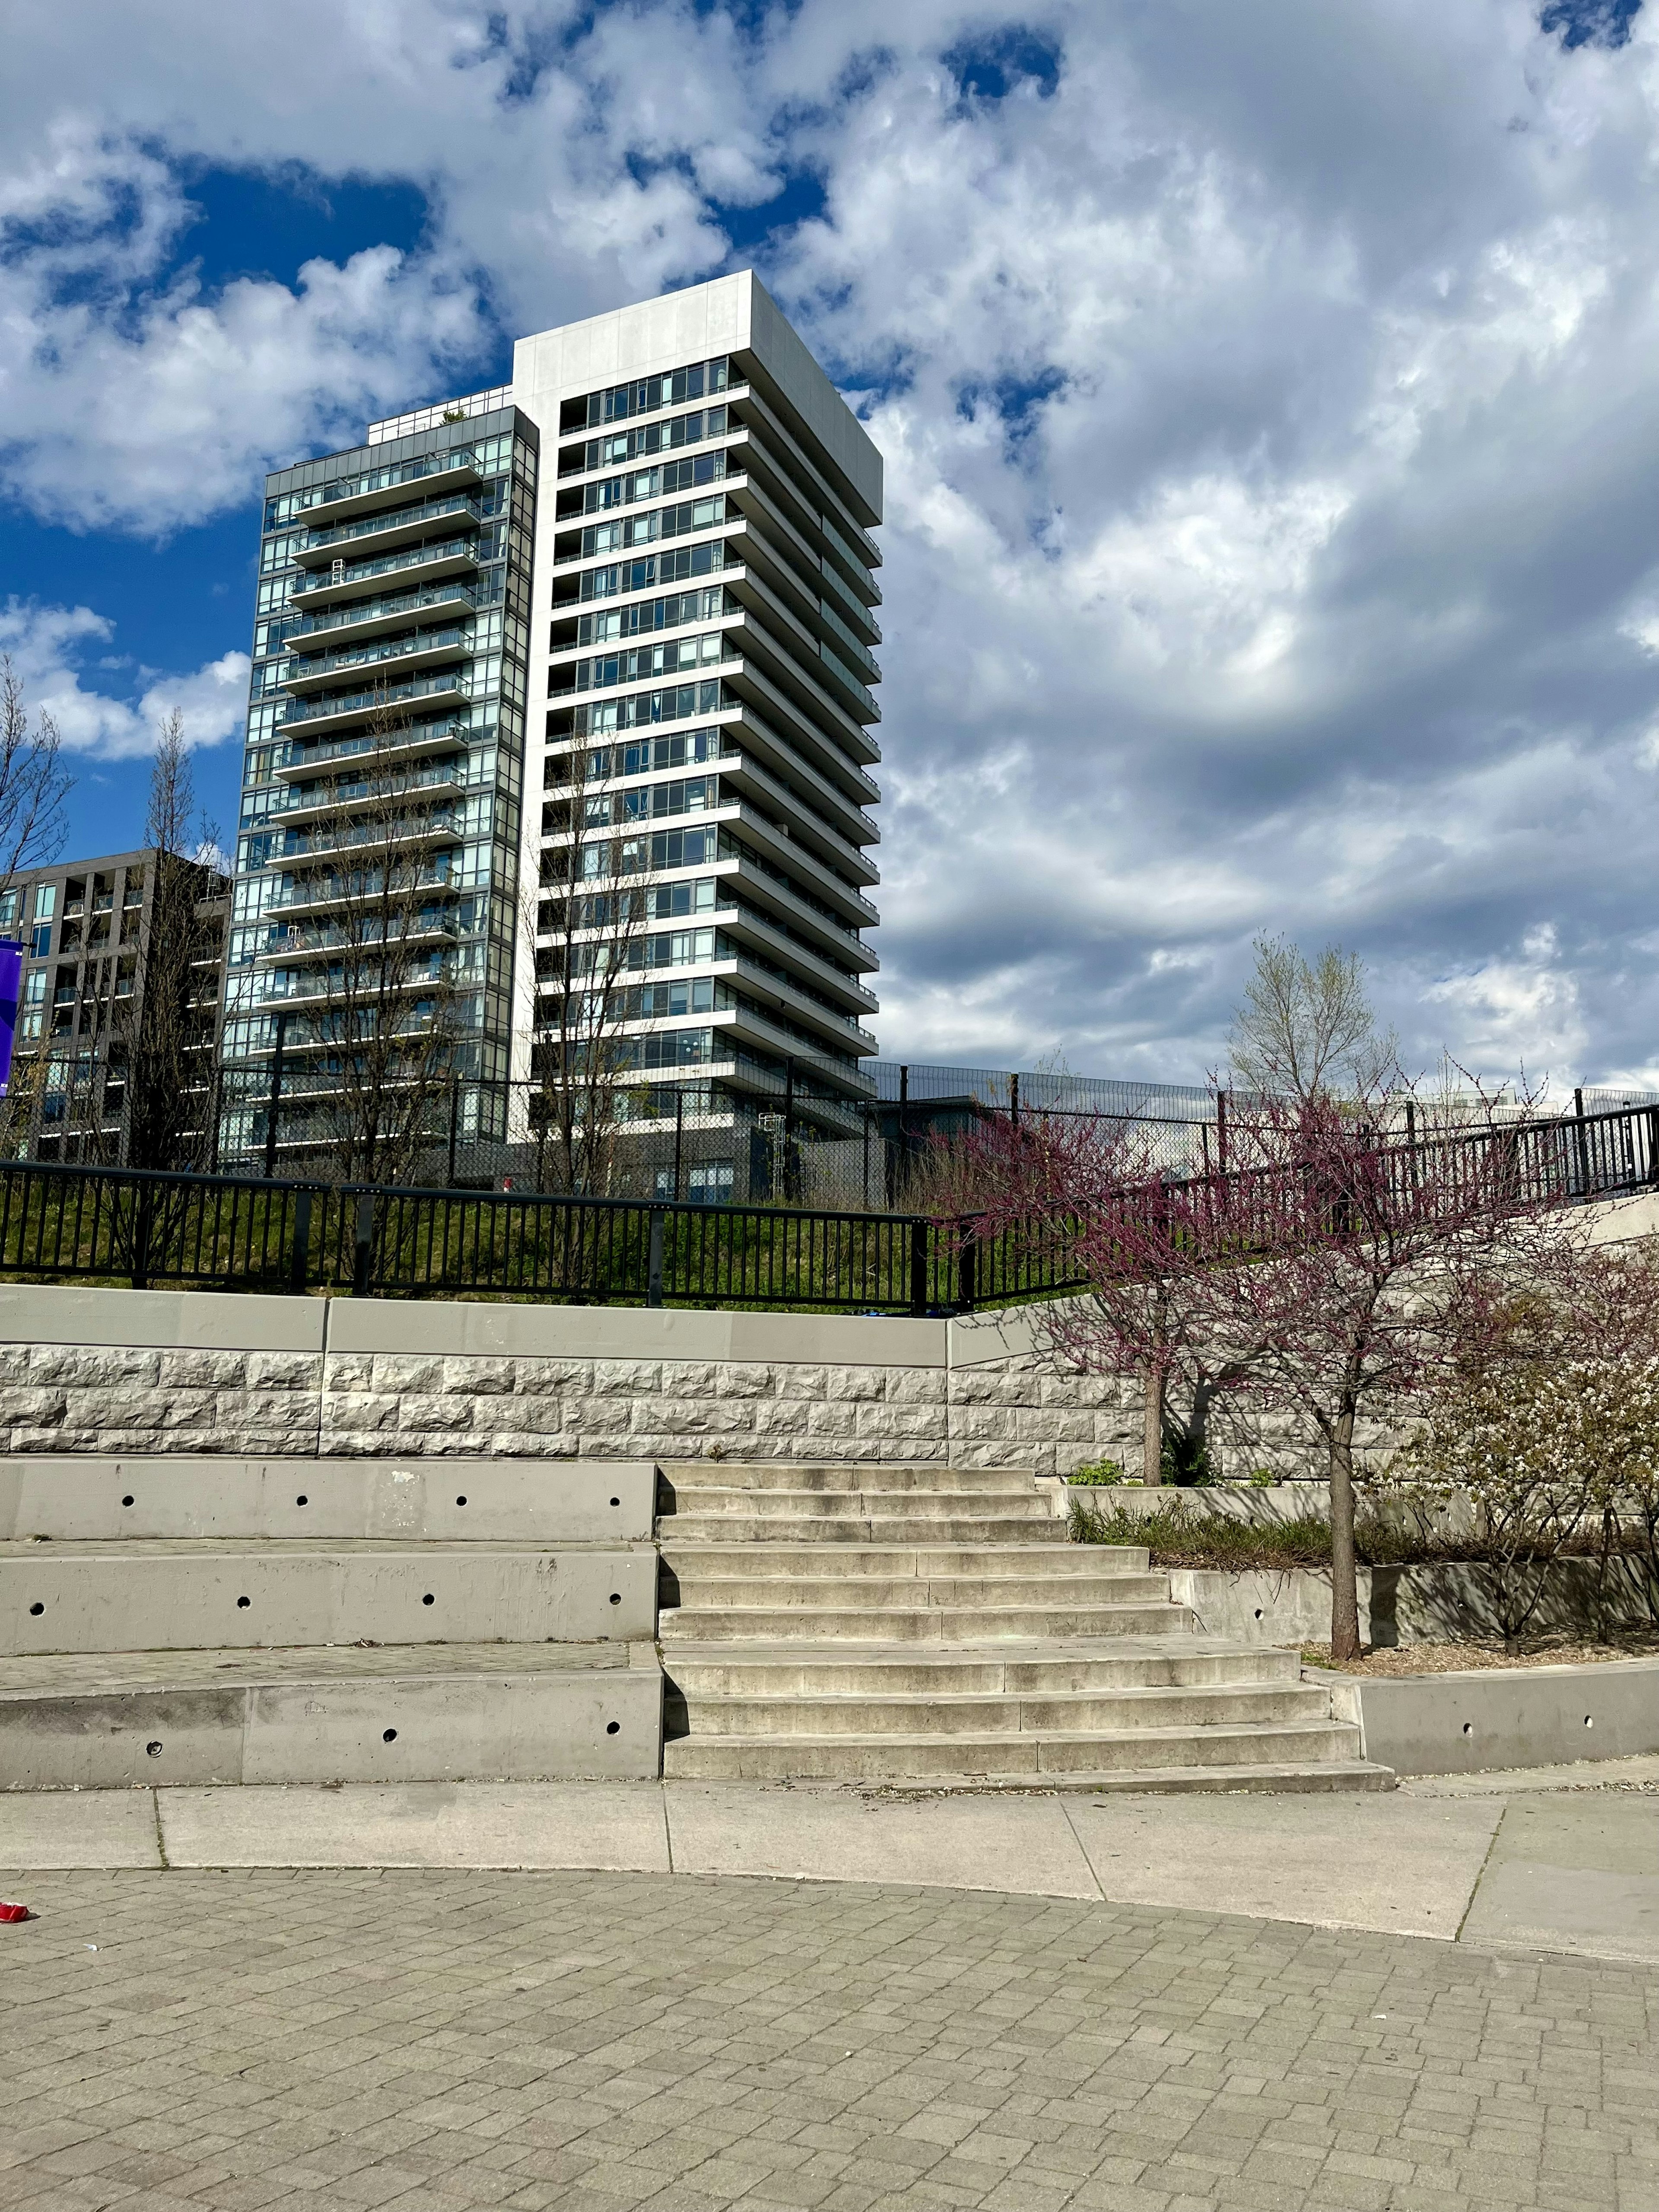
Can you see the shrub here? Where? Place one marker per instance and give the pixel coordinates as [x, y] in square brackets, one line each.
[1100, 1475]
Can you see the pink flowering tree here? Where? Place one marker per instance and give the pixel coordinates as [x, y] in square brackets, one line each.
[1320, 1280]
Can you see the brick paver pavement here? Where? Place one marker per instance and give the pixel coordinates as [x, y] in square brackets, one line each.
[599, 2042]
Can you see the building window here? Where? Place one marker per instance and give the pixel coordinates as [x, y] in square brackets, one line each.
[46, 901]
[40, 943]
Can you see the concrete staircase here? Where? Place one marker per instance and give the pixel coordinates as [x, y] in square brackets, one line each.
[192, 1620]
[932, 1626]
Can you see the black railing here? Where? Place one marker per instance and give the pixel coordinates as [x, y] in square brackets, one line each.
[63, 1221]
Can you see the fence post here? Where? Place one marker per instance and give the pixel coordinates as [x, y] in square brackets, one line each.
[1014, 1100]
[653, 1261]
[298, 1258]
[1220, 1131]
[141, 1227]
[966, 1268]
[919, 1269]
[363, 1258]
[275, 1107]
[679, 1130]
[1653, 1144]
[1581, 1142]
[454, 1122]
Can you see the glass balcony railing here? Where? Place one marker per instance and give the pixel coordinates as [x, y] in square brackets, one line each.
[429, 737]
[388, 697]
[435, 822]
[423, 517]
[457, 597]
[459, 457]
[451, 638]
[292, 941]
[355, 791]
[363, 572]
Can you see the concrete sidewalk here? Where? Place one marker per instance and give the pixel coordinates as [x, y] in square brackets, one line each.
[1560, 1860]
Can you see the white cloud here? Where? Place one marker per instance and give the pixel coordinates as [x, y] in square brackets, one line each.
[48, 644]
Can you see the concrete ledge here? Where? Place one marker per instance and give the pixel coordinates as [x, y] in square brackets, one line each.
[211, 1321]
[632, 1332]
[1502, 1717]
[598, 1723]
[1440, 1603]
[81, 1495]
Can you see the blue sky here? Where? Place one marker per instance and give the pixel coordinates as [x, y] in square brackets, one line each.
[1272, 430]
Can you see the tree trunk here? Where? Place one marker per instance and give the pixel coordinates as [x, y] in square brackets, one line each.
[1345, 1581]
[1151, 1430]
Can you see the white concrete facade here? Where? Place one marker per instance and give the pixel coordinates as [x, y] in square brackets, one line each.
[708, 678]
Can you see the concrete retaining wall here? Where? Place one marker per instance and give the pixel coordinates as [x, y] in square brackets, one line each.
[1445, 1603]
[1504, 1717]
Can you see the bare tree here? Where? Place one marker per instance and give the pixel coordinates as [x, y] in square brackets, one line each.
[34, 781]
[373, 1032]
[596, 905]
[160, 1034]
[1305, 1028]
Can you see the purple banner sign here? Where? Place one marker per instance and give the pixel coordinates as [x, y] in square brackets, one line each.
[11, 983]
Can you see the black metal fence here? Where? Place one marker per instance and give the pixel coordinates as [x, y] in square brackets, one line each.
[69, 1221]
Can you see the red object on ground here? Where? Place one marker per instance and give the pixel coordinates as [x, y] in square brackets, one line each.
[13, 1913]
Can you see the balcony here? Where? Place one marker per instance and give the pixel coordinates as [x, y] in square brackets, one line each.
[325, 894]
[436, 825]
[456, 556]
[293, 941]
[434, 473]
[395, 613]
[427, 650]
[403, 744]
[378, 532]
[297, 805]
[332, 713]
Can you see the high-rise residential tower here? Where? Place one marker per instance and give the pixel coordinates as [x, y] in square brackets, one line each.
[619, 616]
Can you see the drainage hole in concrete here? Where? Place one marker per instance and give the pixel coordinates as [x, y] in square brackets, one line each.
[389, 1736]
[37, 1607]
[613, 1727]
[428, 1599]
[1258, 1612]
[302, 1499]
[616, 1597]
[153, 1749]
[616, 1501]
[1469, 1728]
[126, 1501]
[460, 1501]
[1589, 1723]
[242, 1601]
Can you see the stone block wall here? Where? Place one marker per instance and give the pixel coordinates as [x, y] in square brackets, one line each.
[169, 1371]
[538, 1404]
[158, 1371]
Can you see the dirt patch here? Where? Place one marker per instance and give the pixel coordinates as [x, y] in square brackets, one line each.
[1464, 1658]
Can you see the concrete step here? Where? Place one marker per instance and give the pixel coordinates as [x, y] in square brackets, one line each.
[956, 1531]
[920, 1624]
[797, 1668]
[1323, 1777]
[850, 1593]
[984, 1714]
[1004, 1503]
[446, 1713]
[891, 1562]
[80, 1497]
[693, 1478]
[162, 1595]
[870, 1759]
